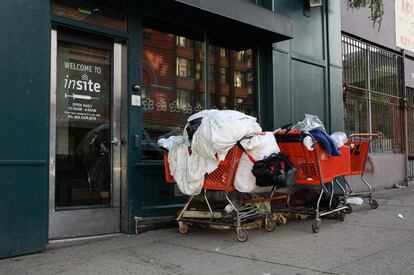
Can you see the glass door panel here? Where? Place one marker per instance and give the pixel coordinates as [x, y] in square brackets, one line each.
[83, 126]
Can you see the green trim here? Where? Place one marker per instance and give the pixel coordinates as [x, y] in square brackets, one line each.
[149, 164]
[327, 75]
[23, 162]
[134, 184]
[308, 59]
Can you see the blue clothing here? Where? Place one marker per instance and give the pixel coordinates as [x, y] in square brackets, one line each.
[325, 141]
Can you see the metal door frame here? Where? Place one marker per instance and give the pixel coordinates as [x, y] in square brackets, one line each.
[88, 220]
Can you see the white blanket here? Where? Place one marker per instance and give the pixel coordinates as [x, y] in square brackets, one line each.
[258, 147]
[216, 135]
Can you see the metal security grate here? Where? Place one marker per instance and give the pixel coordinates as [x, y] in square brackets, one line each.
[373, 90]
[410, 130]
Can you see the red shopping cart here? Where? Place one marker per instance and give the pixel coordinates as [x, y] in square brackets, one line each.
[315, 168]
[359, 147]
[221, 179]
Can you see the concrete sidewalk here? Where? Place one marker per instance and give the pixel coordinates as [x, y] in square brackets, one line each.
[368, 242]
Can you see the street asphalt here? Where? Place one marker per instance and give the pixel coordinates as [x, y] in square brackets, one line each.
[379, 241]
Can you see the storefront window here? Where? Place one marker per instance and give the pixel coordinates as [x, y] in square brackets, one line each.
[173, 87]
[83, 125]
[170, 96]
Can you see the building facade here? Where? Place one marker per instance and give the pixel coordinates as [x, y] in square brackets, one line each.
[378, 72]
[87, 88]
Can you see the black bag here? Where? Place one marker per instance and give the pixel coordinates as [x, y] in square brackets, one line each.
[193, 126]
[274, 170]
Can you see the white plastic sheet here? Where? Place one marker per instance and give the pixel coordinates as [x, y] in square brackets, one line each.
[355, 200]
[219, 131]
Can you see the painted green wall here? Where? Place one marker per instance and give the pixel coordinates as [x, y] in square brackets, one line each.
[24, 133]
[307, 73]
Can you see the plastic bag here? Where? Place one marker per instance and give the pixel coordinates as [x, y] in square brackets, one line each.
[309, 123]
[192, 126]
[172, 142]
[275, 170]
[308, 143]
[339, 138]
[355, 200]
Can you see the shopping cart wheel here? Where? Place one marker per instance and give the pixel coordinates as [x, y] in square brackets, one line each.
[242, 234]
[183, 228]
[348, 210]
[373, 204]
[342, 215]
[270, 225]
[315, 225]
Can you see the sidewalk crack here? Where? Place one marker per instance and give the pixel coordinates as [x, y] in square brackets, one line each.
[248, 258]
[371, 254]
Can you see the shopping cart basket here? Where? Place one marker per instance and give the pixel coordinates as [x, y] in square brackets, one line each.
[314, 169]
[359, 145]
[221, 179]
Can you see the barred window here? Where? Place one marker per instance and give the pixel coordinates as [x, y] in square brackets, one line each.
[372, 93]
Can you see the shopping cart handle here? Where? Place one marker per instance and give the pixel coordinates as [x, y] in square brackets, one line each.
[364, 135]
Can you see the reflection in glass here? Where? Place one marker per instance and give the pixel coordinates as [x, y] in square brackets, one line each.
[174, 84]
[172, 87]
[234, 86]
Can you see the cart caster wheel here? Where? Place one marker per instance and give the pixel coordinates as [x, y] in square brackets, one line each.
[315, 225]
[270, 225]
[183, 228]
[348, 210]
[242, 234]
[342, 216]
[373, 204]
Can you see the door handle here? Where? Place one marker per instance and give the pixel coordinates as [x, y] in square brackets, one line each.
[115, 142]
